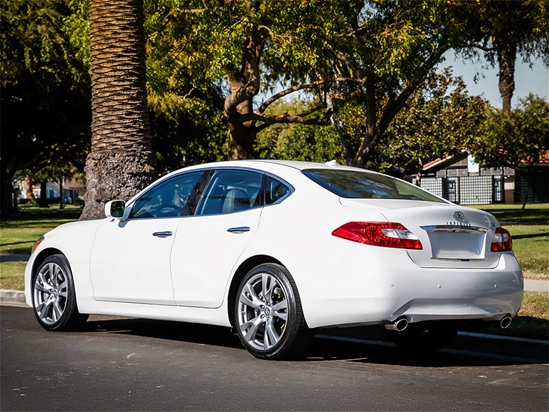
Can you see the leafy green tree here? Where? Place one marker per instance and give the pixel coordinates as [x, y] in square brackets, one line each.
[519, 139]
[395, 46]
[45, 89]
[516, 139]
[239, 44]
[297, 141]
[186, 109]
[504, 31]
[441, 119]
[375, 53]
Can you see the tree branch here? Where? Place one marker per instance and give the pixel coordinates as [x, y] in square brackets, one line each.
[190, 11]
[482, 47]
[352, 64]
[341, 130]
[298, 87]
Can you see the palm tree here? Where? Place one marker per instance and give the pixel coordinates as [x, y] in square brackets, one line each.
[121, 161]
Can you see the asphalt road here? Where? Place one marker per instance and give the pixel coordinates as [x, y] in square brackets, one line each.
[128, 364]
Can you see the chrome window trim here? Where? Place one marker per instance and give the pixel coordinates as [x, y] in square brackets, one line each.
[161, 181]
[283, 198]
[215, 169]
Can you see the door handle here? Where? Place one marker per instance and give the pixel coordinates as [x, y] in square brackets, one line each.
[162, 234]
[240, 229]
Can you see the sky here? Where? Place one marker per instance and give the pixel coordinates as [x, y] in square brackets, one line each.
[527, 80]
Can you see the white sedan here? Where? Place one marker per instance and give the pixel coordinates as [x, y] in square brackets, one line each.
[276, 249]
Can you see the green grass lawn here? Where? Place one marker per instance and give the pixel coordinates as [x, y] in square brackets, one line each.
[12, 275]
[19, 234]
[530, 231]
[531, 247]
[532, 321]
[533, 213]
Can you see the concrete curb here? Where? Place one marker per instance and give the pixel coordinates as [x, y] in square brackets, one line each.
[15, 296]
[535, 285]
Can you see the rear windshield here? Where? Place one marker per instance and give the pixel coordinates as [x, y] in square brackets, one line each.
[353, 184]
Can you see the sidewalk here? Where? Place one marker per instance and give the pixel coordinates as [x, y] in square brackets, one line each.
[533, 285]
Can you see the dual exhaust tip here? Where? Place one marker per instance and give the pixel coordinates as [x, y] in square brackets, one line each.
[398, 325]
[505, 322]
[401, 324]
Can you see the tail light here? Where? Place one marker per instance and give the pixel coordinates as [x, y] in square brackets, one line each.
[385, 234]
[502, 241]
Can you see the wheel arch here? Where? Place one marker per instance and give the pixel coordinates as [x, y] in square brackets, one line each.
[242, 270]
[44, 254]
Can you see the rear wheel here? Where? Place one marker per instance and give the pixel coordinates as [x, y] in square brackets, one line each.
[268, 316]
[421, 340]
[53, 296]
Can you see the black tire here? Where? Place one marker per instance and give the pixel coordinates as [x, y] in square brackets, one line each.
[53, 295]
[421, 340]
[268, 317]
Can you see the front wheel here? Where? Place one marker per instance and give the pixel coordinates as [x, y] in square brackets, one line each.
[53, 296]
[269, 319]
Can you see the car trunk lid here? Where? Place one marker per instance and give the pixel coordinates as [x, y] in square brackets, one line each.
[452, 236]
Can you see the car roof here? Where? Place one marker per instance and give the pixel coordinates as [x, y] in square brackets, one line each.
[268, 164]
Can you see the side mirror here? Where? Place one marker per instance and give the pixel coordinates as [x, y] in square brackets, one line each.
[116, 209]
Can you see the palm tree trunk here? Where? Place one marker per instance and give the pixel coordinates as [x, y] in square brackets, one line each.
[121, 161]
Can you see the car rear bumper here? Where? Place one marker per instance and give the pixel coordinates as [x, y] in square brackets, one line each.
[358, 293]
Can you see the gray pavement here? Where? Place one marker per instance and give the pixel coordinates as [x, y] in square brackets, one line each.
[120, 364]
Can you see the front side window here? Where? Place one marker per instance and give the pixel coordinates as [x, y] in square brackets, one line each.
[352, 184]
[167, 199]
[231, 191]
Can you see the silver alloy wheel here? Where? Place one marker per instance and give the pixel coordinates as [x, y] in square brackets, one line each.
[50, 293]
[262, 311]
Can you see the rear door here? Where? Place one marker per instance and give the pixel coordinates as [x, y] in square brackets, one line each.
[208, 244]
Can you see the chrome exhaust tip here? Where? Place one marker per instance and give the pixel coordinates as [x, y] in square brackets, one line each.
[399, 325]
[505, 322]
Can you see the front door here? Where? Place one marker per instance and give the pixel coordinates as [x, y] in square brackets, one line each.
[130, 260]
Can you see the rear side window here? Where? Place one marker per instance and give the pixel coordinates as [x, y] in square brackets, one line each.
[353, 184]
[231, 191]
[275, 190]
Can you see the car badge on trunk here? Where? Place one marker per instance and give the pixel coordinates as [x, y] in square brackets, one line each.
[460, 217]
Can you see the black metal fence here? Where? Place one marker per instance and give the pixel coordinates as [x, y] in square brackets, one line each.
[532, 185]
[467, 190]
